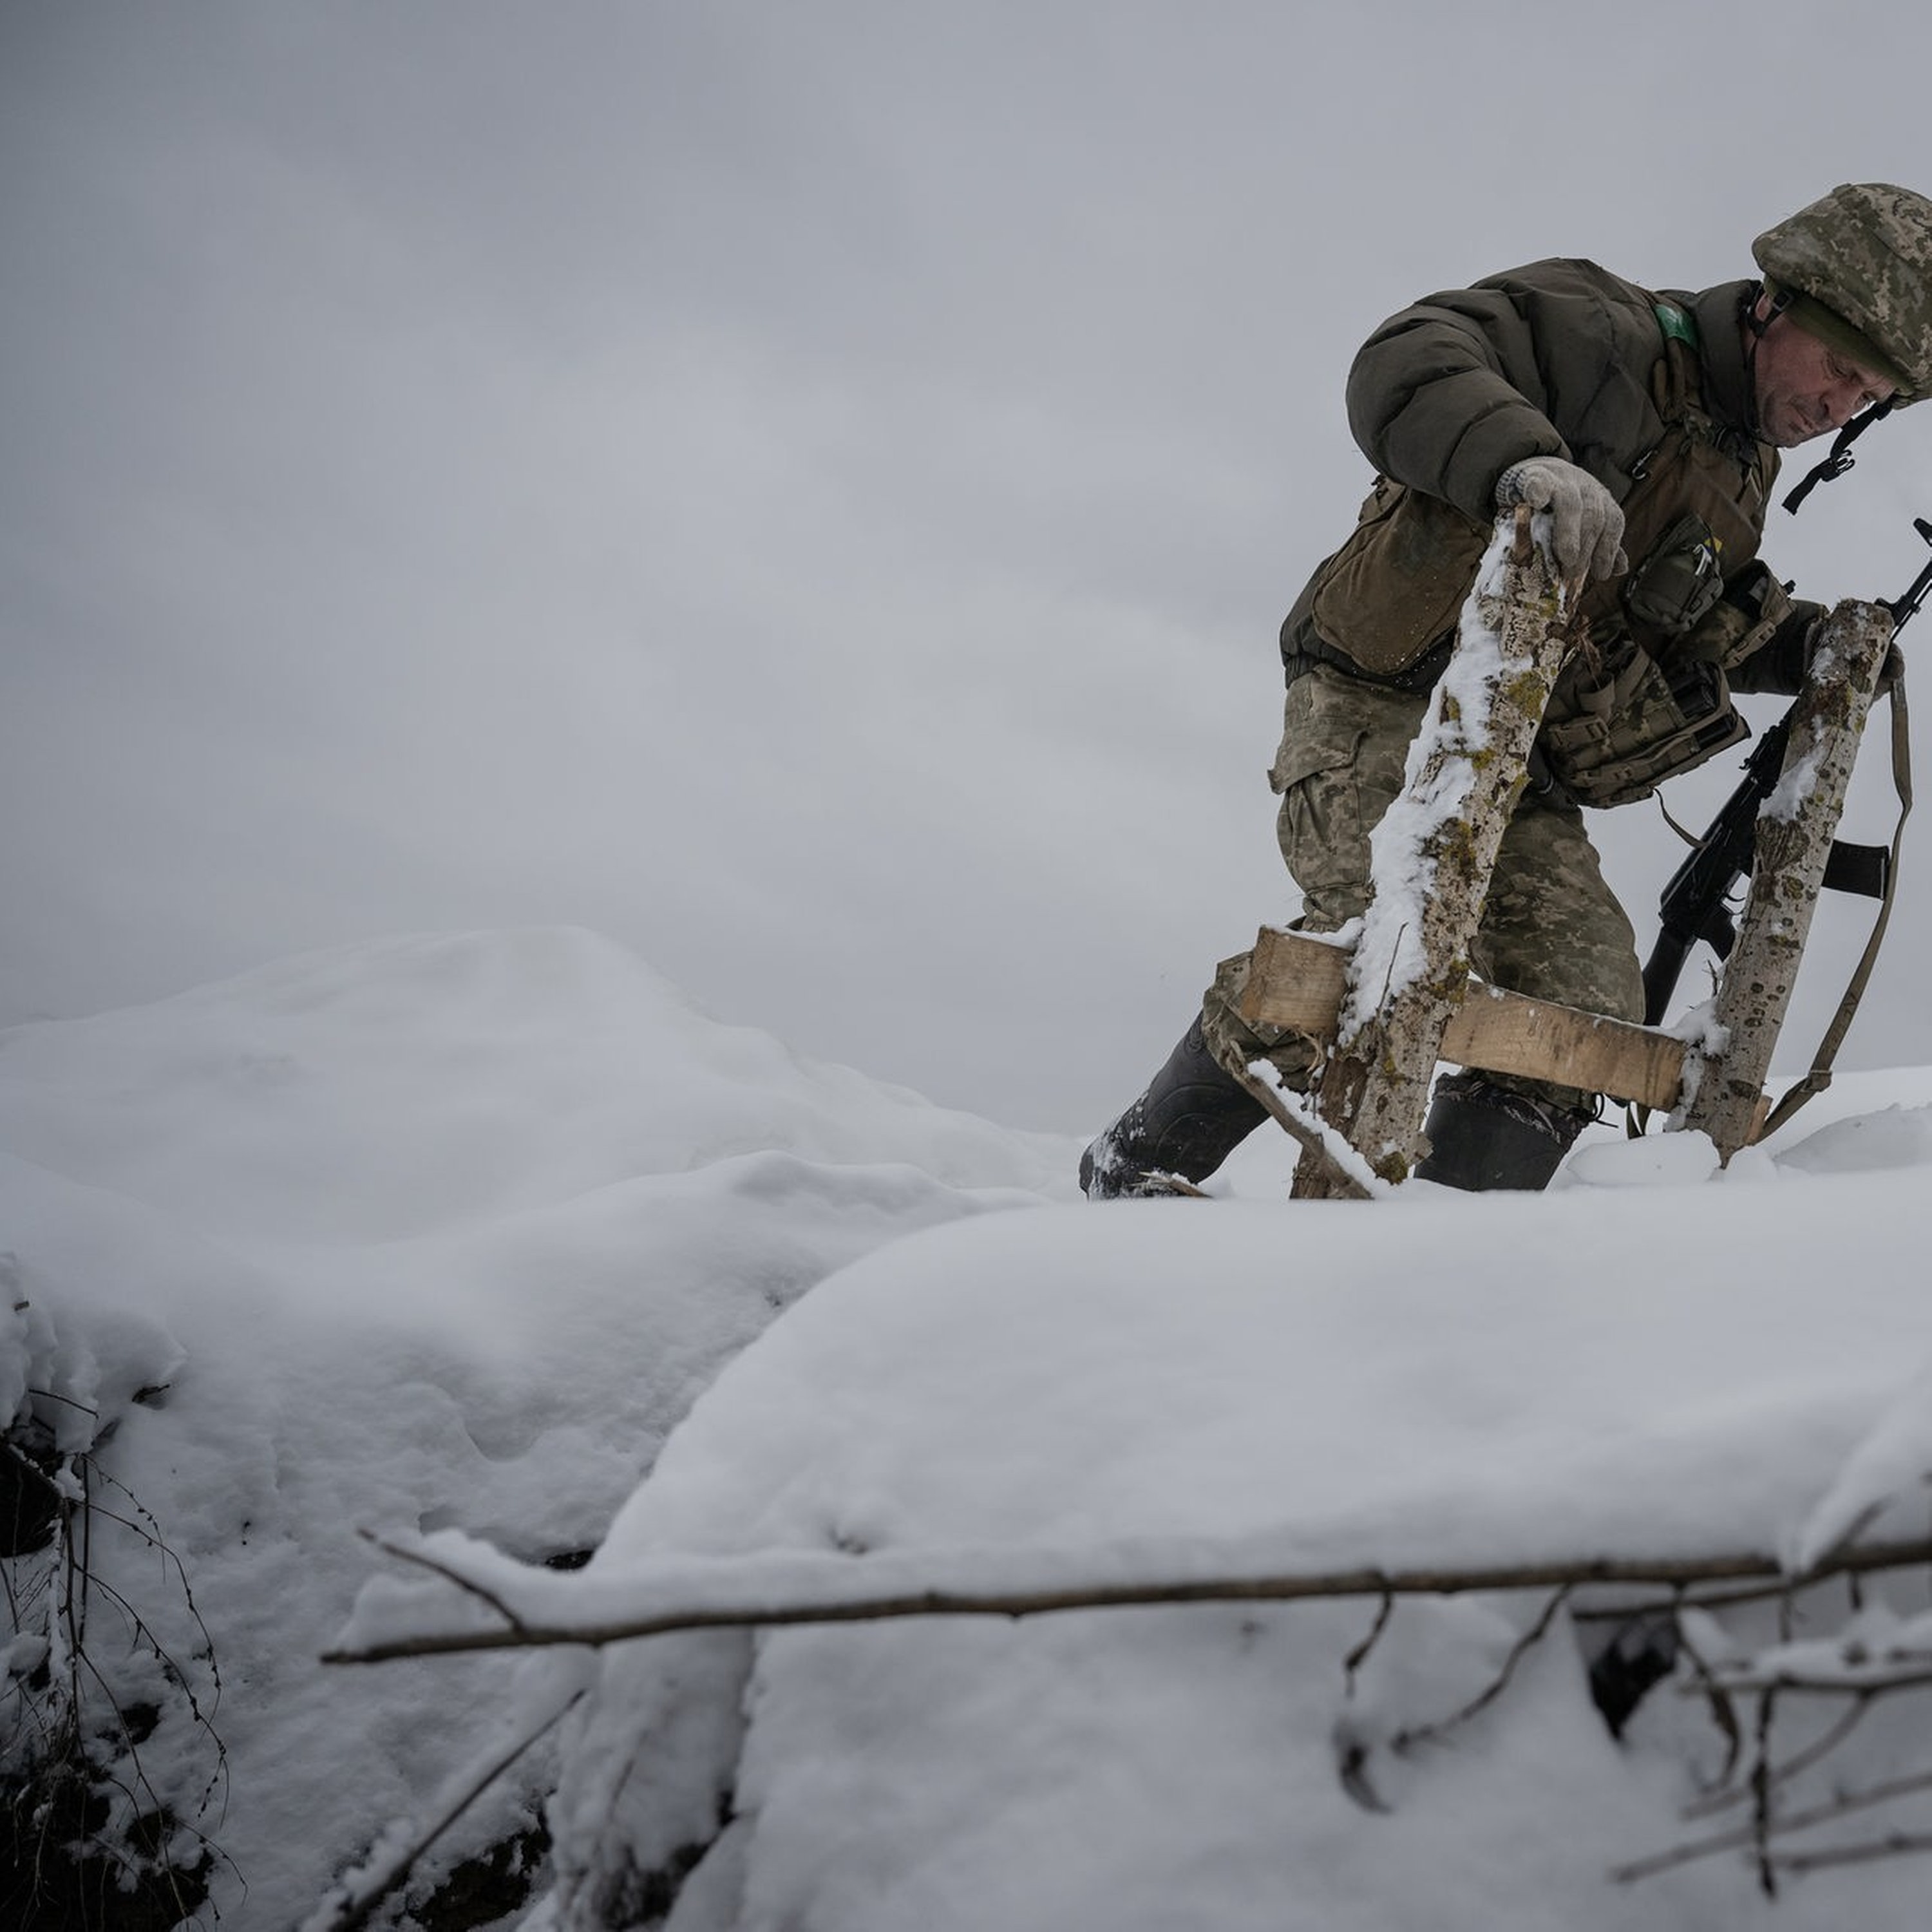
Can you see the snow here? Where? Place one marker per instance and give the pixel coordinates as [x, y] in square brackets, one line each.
[454, 1239]
[1785, 800]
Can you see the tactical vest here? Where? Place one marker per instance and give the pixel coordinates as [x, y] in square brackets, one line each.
[1642, 694]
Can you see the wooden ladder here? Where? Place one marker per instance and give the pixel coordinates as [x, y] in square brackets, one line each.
[1401, 997]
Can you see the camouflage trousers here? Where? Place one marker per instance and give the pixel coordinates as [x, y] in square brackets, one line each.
[1551, 926]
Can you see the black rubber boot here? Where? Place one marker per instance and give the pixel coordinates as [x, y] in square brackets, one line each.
[1193, 1116]
[1483, 1136]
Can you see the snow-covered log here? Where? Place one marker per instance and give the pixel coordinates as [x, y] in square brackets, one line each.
[1795, 832]
[1433, 852]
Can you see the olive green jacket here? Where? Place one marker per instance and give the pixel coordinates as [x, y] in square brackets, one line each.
[1651, 394]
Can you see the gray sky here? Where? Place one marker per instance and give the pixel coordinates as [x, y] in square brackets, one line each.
[809, 490]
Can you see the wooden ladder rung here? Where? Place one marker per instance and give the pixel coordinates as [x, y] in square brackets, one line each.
[1296, 982]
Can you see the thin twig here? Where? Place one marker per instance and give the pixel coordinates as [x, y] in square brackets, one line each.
[354, 1913]
[1760, 1786]
[1709, 1805]
[423, 1560]
[1796, 1821]
[1420, 1734]
[1357, 1657]
[1723, 1711]
[72, 1745]
[68, 1401]
[1894, 1844]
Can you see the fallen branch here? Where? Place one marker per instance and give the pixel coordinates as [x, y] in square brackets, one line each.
[828, 1589]
[357, 1896]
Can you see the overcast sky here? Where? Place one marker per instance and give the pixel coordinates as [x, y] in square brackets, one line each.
[808, 490]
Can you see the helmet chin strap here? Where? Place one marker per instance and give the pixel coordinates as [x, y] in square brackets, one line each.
[1780, 301]
[1755, 326]
[1841, 459]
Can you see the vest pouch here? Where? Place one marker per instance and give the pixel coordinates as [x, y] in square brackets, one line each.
[1396, 588]
[1745, 619]
[1629, 722]
[1679, 581]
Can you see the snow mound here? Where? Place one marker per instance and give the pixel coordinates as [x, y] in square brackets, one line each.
[380, 1091]
[1896, 1137]
[1448, 1381]
[434, 1232]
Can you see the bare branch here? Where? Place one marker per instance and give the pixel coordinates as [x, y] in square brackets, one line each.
[360, 1895]
[1712, 1802]
[1893, 1844]
[468, 1584]
[1796, 1821]
[1760, 1786]
[883, 1603]
[1877, 1676]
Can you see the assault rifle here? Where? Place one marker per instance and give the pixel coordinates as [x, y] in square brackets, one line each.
[1696, 903]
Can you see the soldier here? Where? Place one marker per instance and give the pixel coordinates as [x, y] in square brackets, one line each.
[1648, 426]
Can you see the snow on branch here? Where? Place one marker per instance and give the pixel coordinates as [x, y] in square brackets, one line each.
[503, 1604]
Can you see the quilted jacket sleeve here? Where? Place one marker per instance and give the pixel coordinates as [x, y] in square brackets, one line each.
[1549, 360]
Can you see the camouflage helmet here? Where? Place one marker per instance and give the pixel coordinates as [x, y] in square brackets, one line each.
[1856, 270]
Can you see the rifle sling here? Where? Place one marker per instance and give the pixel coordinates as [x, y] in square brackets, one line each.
[1820, 1077]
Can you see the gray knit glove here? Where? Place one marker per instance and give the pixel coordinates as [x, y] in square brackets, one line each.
[1586, 522]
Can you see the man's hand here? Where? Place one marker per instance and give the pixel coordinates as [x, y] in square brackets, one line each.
[1586, 522]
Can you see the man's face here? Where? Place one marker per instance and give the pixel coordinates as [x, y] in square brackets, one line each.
[1805, 389]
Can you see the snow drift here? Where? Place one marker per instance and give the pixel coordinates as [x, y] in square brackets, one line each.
[440, 1231]
[456, 1239]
